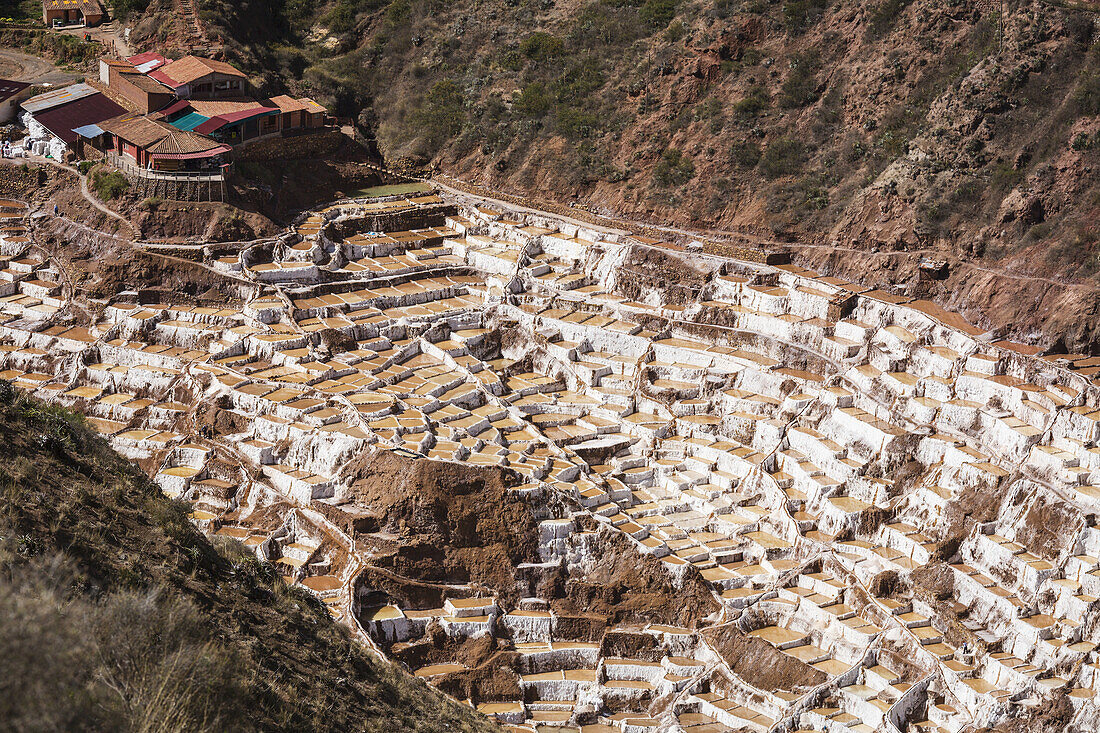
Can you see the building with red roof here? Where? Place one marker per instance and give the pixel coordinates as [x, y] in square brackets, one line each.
[193, 76]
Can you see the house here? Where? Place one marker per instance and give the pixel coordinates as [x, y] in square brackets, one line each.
[228, 121]
[154, 145]
[297, 114]
[142, 92]
[199, 78]
[54, 117]
[58, 13]
[193, 107]
[11, 94]
[237, 121]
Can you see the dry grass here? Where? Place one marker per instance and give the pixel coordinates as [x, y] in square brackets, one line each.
[119, 615]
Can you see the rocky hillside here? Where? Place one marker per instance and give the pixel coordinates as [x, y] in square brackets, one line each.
[119, 615]
[930, 126]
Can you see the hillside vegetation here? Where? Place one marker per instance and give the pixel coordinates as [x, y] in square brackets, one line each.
[786, 115]
[119, 615]
[882, 126]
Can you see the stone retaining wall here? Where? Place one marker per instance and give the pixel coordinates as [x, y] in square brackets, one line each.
[309, 145]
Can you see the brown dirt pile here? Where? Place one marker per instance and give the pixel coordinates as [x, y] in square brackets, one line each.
[934, 584]
[211, 418]
[1047, 527]
[759, 663]
[225, 644]
[456, 522]
[211, 221]
[625, 586]
[646, 270]
[437, 648]
[1053, 716]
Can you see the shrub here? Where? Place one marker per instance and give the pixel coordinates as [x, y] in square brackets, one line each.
[599, 26]
[675, 31]
[578, 82]
[658, 13]
[542, 46]
[574, 122]
[84, 166]
[1005, 177]
[109, 186]
[398, 12]
[123, 9]
[755, 101]
[798, 15]
[1079, 248]
[511, 59]
[800, 87]
[1087, 94]
[745, 154]
[673, 169]
[442, 113]
[885, 17]
[782, 157]
[534, 101]
[340, 19]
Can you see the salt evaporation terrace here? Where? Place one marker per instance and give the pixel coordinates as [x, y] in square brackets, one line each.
[790, 436]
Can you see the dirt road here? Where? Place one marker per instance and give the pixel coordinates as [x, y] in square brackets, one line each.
[23, 67]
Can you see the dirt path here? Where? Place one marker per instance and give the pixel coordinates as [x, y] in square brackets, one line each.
[19, 66]
[1048, 284]
[87, 194]
[135, 232]
[998, 272]
[107, 34]
[102, 208]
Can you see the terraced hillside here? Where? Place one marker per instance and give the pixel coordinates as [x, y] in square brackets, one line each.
[586, 480]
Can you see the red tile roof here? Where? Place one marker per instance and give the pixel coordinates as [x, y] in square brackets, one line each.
[192, 68]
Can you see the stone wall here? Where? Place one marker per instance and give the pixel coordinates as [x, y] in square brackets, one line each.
[325, 141]
[178, 190]
[746, 252]
[18, 180]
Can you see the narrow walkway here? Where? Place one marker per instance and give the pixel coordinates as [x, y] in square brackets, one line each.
[100, 206]
[86, 193]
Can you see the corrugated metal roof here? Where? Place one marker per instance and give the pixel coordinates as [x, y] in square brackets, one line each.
[58, 97]
[211, 125]
[146, 62]
[219, 121]
[174, 107]
[189, 121]
[9, 88]
[88, 110]
[164, 79]
[89, 131]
